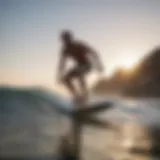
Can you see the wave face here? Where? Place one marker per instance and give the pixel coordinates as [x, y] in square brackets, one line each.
[29, 125]
[32, 122]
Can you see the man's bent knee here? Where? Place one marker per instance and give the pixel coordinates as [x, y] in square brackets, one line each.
[67, 79]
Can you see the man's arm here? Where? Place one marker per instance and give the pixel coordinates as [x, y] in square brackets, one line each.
[96, 58]
[61, 65]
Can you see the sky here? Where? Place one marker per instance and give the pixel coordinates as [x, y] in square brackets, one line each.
[121, 31]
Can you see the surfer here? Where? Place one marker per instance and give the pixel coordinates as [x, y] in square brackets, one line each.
[85, 58]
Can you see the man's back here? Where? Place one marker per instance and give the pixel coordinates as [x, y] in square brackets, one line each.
[78, 51]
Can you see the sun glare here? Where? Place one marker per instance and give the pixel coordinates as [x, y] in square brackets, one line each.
[127, 62]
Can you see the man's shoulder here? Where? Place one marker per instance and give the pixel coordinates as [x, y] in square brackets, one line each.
[81, 44]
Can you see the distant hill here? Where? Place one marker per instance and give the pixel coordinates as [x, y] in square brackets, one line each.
[143, 80]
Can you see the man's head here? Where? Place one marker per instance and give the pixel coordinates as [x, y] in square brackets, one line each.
[67, 37]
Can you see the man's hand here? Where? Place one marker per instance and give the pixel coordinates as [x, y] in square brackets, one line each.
[60, 75]
[60, 78]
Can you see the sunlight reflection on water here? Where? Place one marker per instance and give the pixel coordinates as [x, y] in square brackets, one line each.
[29, 128]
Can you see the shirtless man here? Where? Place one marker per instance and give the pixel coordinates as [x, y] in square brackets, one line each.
[81, 54]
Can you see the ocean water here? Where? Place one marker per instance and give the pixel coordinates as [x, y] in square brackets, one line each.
[32, 123]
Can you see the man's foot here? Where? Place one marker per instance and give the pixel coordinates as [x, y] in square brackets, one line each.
[80, 100]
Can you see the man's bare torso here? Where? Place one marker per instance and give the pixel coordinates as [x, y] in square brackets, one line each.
[78, 52]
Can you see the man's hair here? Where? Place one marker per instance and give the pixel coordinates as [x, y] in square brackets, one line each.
[66, 34]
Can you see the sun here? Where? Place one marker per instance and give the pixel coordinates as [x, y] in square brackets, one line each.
[127, 62]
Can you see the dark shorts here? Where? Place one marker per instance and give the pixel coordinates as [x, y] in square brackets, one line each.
[79, 70]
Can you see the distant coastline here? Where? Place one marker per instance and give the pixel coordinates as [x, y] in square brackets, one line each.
[142, 81]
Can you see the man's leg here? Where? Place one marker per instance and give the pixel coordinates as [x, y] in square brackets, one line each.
[79, 73]
[83, 86]
[83, 70]
[68, 82]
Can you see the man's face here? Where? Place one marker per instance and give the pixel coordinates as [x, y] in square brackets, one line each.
[66, 39]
